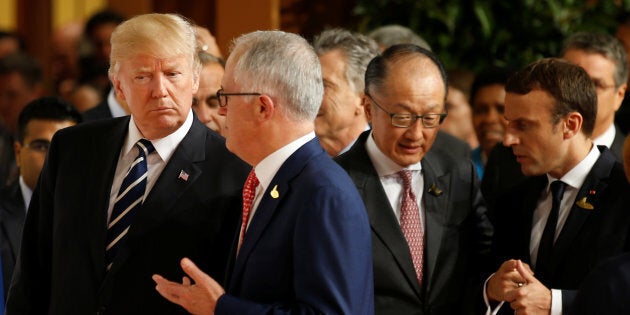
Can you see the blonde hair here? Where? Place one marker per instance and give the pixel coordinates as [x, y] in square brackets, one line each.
[160, 35]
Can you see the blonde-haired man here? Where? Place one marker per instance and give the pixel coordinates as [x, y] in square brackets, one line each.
[121, 199]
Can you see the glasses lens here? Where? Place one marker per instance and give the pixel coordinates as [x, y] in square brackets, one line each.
[39, 145]
[402, 120]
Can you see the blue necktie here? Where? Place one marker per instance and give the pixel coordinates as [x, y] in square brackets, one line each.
[129, 200]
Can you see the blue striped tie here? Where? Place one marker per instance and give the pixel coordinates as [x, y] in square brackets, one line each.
[129, 200]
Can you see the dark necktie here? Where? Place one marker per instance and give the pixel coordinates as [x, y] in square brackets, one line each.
[129, 200]
[411, 225]
[545, 248]
[249, 192]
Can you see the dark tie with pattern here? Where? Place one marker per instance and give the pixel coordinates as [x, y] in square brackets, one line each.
[545, 249]
[411, 225]
[129, 200]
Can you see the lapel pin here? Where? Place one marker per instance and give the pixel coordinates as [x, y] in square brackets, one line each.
[183, 176]
[582, 203]
[435, 190]
[274, 192]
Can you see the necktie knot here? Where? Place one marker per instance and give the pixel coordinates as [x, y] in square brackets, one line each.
[145, 147]
[405, 175]
[557, 190]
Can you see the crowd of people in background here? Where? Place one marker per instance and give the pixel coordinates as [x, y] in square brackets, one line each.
[353, 174]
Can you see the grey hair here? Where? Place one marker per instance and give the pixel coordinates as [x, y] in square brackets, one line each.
[357, 49]
[283, 66]
[393, 34]
[605, 45]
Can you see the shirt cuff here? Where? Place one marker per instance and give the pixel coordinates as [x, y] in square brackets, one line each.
[556, 302]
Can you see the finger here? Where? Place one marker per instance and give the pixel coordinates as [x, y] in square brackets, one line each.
[193, 271]
[185, 280]
[526, 274]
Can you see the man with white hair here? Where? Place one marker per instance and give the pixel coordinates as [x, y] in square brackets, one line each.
[121, 199]
[304, 245]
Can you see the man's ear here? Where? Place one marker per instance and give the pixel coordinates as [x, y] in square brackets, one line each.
[116, 86]
[367, 105]
[265, 107]
[572, 124]
[17, 150]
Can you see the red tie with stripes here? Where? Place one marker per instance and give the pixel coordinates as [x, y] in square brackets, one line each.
[411, 225]
[249, 192]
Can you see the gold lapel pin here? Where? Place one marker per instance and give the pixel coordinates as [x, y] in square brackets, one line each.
[435, 190]
[274, 192]
[582, 203]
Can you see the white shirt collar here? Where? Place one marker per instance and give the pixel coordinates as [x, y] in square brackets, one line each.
[577, 175]
[164, 146]
[27, 193]
[269, 166]
[114, 107]
[607, 137]
[382, 163]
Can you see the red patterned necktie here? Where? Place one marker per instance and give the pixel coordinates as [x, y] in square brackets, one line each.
[411, 225]
[249, 192]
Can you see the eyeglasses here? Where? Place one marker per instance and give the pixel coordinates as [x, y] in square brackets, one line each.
[38, 145]
[212, 101]
[222, 96]
[407, 120]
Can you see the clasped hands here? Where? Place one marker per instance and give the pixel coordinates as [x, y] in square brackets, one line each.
[515, 283]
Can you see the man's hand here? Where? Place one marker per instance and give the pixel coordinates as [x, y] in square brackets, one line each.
[532, 298]
[198, 298]
[505, 280]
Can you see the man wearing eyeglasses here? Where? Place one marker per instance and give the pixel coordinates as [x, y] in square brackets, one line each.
[430, 233]
[37, 123]
[205, 103]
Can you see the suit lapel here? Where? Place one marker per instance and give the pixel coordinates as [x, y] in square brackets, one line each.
[382, 219]
[436, 213]
[280, 186]
[593, 186]
[167, 191]
[12, 219]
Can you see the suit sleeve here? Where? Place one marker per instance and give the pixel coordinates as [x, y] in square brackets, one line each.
[332, 260]
[30, 286]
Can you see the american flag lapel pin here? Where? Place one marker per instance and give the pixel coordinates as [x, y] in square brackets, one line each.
[183, 176]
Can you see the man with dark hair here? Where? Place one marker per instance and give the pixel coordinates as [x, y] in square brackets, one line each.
[37, 124]
[571, 213]
[430, 233]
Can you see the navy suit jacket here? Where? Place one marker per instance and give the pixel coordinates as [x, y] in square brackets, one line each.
[606, 289]
[588, 236]
[307, 249]
[457, 236]
[61, 267]
[12, 215]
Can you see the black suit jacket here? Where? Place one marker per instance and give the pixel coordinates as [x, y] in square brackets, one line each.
[457, 236]
[12, 214]
[451, 145]
[606, 289]
[588, 236]
[61, 269]
[100, 111]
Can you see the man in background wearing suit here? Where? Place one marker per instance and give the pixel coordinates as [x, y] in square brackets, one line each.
[431, 236]
[37, 123]
[304, 244]
[121, 199]
[571, 213]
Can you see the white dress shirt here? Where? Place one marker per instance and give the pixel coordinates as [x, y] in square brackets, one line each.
[156, 161]
[27, 193]
[607, 137]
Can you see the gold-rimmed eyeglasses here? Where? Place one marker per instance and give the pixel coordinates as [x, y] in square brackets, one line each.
[223, 96]
[407, 120]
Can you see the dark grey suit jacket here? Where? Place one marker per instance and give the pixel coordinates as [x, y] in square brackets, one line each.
[589, 235]
[12, 214]
[61, 268]
[457, 236]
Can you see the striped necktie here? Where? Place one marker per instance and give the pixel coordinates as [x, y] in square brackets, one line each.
[129, 200]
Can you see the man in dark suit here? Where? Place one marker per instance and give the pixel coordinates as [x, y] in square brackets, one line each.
[37, 124]
[110, 107]
[405, 95]
[304, 243]
[571, 213]
[79, 240]
[604, 59]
